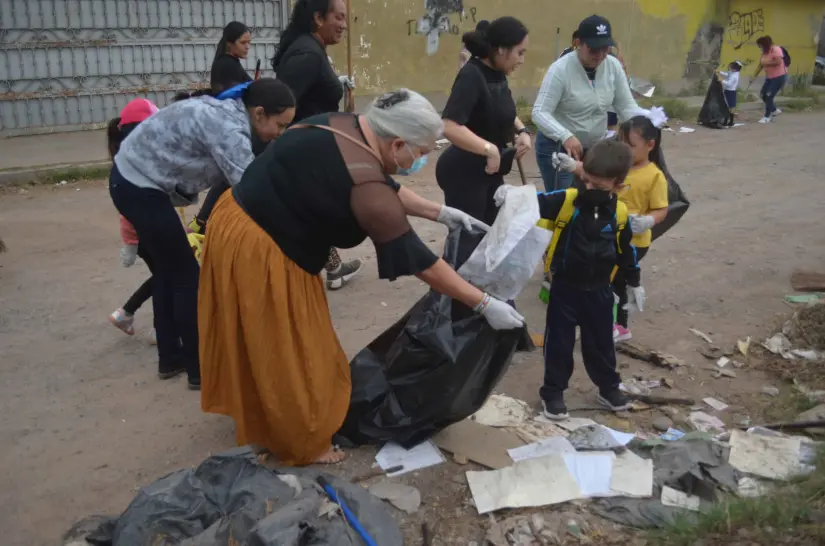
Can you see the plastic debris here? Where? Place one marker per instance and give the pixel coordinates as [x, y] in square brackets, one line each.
[700, 335]
[770, 391]
[703, 422]
[672, 435]
[744, 345]
[778, 344]
[722, 362]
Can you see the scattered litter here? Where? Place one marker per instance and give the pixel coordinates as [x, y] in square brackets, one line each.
[711, 352]
[484, 445]
[678, 499]
[538, 429]
[743, 345]
[687, 130]
[635, 386]
[530, 483]
[808, 354]
[594, 438]
[572, 423]
[63, 182]
[808, 281]
[672, 435]
[421, 456]
[549, 446]
[404, 497]
[662, 424]
[779, 345]
[632, 476]
[724, 373]
[718, 405]
[383, 304]
[722, 362]
[813, 414]
[703, 422]
[502, 411]
[750, 487]
[700, 335]
[805, 298]
[592, 472]
[739, 124]
[774, 458]
[770, 391]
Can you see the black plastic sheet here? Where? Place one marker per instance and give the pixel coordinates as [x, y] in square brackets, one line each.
[677, 200]
[232, 500]
[715, 112]
[426, 371]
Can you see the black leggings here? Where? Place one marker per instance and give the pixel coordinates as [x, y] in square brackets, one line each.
[144, 292]
[620, 288]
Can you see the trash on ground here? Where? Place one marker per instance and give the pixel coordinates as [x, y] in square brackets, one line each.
[770, 391]
[807, 354]
[632, 476]
[703, 422]
[808, 281]
[744, 345]
[778, 344]
[711, 352]
[484, 445]
[751, 487]
[805, 298]
[636, 386]
[549, 446]
[687, 130]
[593, 472]
[672, 435]
[537, 429]
[718, 405]
[722, 362]
[724, 373]
[678, 499]
[502, 411]
[421, 456]
[645, 354]
[205, 505]
[404, 497]
[571, 423]
[594, 438]
[700, 335]
[774, 458]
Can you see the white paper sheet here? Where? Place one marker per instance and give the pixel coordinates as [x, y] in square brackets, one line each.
[765, 456]
[569, 424]
[623, 438]
[592, 472]
[531, 483]
[678, 499]
[421, 456]
[718, 405]
[502, 411]
[632, 476]
[550, 446]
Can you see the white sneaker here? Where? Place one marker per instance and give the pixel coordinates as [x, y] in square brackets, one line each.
[776, 112]
[123, 321]
[765, 120]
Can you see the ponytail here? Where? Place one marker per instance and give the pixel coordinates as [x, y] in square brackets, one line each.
[114, 136]
[231, 33]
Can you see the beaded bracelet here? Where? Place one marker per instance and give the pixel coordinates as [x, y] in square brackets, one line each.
[483, 304]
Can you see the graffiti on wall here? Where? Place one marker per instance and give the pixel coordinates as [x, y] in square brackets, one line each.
[743, 27]
[440, 17]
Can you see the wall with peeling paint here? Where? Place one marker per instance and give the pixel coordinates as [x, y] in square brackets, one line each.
[415, 43]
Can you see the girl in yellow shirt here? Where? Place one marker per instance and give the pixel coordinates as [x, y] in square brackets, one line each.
[646, 200]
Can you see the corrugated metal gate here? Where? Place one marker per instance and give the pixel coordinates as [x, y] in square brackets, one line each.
[73, 64]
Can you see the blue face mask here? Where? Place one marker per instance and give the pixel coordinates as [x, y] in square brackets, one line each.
[417, 165]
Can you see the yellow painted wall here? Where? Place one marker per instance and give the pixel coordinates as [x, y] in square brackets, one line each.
[791, 23]
[657, 37]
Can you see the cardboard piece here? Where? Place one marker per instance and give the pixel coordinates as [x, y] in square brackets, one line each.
[768, 457]
[484, 445]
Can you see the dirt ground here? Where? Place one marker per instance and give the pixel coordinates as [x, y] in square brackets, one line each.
[84, 422]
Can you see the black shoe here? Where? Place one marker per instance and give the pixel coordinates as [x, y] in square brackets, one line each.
[614, 400]
[194, 383]
[170, 372]
[345, 274]
[554, 408]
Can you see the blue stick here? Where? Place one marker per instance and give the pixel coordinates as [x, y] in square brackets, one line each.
[350, 517]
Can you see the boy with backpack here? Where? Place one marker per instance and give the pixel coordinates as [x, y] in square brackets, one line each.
[591, 237]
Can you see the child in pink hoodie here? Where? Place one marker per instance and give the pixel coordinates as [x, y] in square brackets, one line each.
[119, 128]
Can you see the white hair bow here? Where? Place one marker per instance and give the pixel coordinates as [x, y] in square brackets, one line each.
[656, 115]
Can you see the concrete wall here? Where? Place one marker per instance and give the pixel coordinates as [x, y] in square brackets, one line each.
[415, 43]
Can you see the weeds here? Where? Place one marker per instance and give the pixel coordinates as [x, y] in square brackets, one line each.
[73, 174]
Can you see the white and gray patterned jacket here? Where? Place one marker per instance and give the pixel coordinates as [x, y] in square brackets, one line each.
[188, 147]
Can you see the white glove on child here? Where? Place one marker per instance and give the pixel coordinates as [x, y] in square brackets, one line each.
[454, 218]
[128, 255]
[501, 194]
[501, 315]
[635, 299]
[640, 224]
[563, 162]
[346, 82]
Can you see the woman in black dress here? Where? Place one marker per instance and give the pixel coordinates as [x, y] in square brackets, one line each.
[480, 120]
[303, 64]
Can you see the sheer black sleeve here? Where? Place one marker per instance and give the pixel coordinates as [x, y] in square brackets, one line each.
[380, 213]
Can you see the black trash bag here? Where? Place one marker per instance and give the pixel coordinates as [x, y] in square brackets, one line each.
[715, 112]
[677, 200]
[425, 372]
[232, 500]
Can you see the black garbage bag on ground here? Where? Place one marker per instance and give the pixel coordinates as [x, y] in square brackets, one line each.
[677, 200]
[232, 500]
[425, 372]
[715, 112]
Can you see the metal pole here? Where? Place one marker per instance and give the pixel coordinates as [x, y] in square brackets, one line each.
[350, 106]
[556, 54]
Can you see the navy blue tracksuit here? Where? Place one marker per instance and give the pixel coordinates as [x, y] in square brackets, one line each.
[581, 294]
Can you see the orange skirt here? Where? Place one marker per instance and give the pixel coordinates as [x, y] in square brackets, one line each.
[270, 358]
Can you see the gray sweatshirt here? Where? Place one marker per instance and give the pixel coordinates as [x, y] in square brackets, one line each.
[187, 147]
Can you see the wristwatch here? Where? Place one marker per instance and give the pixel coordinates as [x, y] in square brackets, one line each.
[523, 130]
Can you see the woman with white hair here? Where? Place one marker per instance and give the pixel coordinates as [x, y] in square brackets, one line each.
[270, 356]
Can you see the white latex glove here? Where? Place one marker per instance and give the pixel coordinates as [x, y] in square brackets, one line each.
[635, 299]
[454, 218]
[501, 315]
[563, 162]
[128, 255]
[346, 82]
[640, 224]
[501, 194]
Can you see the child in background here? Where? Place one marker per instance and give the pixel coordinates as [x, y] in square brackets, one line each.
[119, 128]
[645, 196]
[730, 83]
[590, 240]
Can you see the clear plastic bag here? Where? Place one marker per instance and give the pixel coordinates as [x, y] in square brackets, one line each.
[509, 254]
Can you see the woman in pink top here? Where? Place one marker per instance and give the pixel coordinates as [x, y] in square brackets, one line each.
[776, 75]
